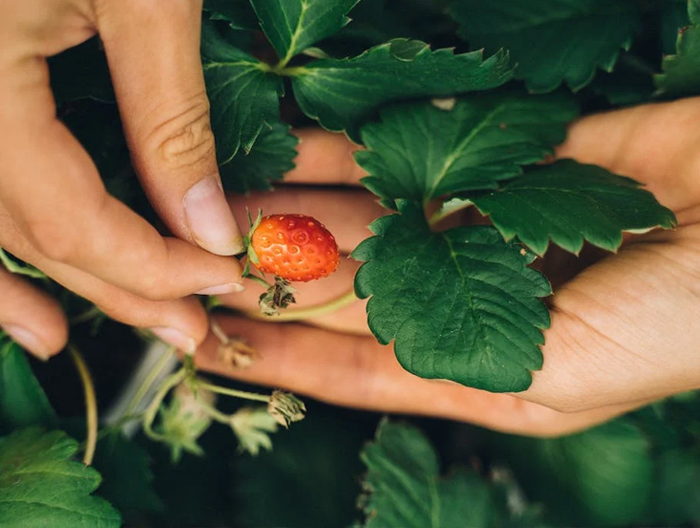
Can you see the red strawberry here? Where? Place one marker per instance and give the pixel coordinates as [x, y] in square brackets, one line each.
[294, 247]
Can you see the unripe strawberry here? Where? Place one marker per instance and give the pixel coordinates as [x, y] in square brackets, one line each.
[294, 247]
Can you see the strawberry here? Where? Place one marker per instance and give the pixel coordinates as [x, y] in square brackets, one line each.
[294, 247]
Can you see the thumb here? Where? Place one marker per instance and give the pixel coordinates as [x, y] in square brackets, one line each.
[153, 51]
[656, 144]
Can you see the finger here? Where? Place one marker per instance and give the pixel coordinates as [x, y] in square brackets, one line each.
[157, 73]
[328, 303]
[181, 322]
[51, 190]
[358, 372]
[31, 317]
[345, 213]
[655, 144]
[625, 328]
[325, 158]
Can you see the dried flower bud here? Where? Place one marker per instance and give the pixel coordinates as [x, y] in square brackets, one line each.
[286, 408]
[277, 297]
[236, 353]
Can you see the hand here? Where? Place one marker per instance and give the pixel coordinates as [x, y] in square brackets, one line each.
[54, 210]
[624, 330]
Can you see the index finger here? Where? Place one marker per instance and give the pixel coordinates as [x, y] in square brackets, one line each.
[325, 158]
[656, 144]
[358, 372]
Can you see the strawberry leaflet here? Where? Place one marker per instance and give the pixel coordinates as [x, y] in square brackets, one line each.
[271, 156]
[568, 203]
[244, 96]
[551, 41]
[41, 484]
[418, 151]
[460, 305]
[404, 488]
[681, 74]
[344, 93]
[238, 13]
[294, 25]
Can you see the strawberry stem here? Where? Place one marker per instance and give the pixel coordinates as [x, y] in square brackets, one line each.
[307, 313]
[232, 392]
[90, 404]
[259, 280]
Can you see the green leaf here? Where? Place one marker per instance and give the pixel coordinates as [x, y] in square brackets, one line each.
[631, 83]
[81, 72]
[600, 477]
[238, 13]
[551, 41]
[22, 400]
[461, 305]
[14, 265]
[420, 152]
[673, 16]
[309, 478]
[676, 498]
[244, 95]
[405, 490]
[128, 480]
[40, 484]
[568, 203]
[344, 93]
[270, 158]
[294, 25]
[681, 74]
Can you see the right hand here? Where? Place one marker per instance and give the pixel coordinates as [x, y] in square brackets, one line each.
[54, 210]
[624, 326]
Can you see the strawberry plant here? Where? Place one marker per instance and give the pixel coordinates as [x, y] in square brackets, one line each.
[457, 110]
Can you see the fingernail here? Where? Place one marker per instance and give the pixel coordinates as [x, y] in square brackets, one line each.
[233, 287]
[175, 337]
[28, 340]
[210, 219]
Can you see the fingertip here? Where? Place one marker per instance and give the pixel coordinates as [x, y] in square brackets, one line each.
[210, 220]
[184, 324]
[32, 318]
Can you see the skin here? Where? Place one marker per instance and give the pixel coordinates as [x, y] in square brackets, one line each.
[624, 327]
[96, 246]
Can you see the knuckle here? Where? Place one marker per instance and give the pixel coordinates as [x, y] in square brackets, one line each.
[155, 285]
[154, 290]
[53, 240]
[186, 139]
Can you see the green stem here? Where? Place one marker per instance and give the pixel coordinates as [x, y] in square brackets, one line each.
[233, 392]
[150, 415]
[282, 70]
[149, 380]
[90, 404]
[215, 413]
[259, 280]
[307, 313]
[86, 316]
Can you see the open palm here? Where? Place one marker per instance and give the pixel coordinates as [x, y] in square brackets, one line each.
[625, 329]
